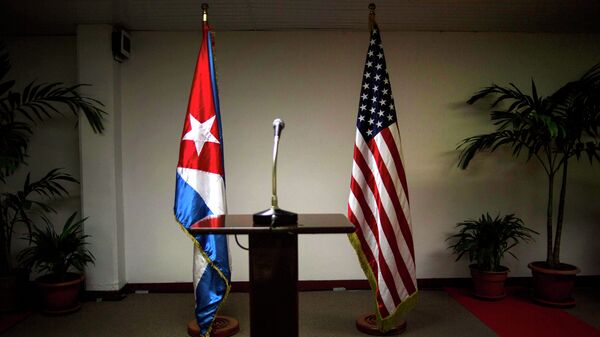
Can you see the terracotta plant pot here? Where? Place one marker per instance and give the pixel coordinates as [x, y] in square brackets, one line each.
[553, 287]
[489, 285]
[60, 297]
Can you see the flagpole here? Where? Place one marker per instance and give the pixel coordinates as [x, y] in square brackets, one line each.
[374, 323]
[222, 326]
[371, 16]
[204, 7]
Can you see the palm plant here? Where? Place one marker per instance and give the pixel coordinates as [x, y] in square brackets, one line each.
[55, 254]
[20, 112]
[18, 208]
[554, 130]
[487, 239]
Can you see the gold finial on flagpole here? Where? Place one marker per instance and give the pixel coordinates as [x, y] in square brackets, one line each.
[204, 12]
[371, 16]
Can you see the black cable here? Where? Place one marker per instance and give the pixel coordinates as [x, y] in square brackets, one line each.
[238, 243]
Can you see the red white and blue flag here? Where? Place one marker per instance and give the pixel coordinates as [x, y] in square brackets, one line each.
[378, 205]
[200, 187]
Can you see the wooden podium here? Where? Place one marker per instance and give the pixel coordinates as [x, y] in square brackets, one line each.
[273, 256]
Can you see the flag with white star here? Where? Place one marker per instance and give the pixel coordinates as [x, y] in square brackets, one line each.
[200, 188]
[378, 204]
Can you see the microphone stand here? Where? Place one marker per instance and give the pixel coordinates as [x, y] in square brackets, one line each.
[275, 216]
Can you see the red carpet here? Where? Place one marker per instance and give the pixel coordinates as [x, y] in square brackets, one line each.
[8, 320]
[517, 316]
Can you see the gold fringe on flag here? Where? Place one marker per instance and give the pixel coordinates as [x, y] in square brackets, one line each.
[390, 322]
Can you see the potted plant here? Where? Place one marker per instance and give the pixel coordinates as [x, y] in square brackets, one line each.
[485, 241]
[553, 130]
[20, 112]
[56, 255]
[16, 210]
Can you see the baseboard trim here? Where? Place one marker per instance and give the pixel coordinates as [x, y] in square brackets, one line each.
[173, 287]
[244, 286]
[465, 282]
[315, 285]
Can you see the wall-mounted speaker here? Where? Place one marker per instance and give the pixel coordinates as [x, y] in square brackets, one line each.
[121, 45]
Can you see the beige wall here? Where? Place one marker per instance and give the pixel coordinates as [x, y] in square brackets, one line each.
[312, 81]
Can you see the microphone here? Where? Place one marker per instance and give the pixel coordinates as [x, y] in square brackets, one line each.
[278, 126]
[275, 216]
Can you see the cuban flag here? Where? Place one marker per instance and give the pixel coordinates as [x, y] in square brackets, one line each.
[200, 187]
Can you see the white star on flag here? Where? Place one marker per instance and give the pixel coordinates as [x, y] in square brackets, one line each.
[200, 133]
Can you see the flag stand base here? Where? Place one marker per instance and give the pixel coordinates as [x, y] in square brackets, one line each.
[223, 326]
[368, 324]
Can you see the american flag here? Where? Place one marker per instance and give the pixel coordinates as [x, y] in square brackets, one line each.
[378, 205]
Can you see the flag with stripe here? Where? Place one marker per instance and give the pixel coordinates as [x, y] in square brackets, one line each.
[378, 205]
[200, 187]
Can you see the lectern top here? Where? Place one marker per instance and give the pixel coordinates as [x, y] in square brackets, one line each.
[243, 224]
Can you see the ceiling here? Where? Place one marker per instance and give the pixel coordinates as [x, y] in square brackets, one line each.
[50, 17]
